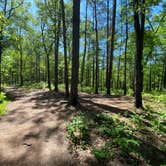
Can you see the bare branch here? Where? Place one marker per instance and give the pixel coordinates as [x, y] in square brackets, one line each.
[13, 8]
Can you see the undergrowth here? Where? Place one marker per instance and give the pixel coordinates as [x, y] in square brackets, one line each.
[121, 137]
[3, 103]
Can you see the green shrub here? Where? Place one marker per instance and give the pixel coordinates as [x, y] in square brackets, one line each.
[2, 97]
[3, 102]
[104, 119]
[126, 145]
[130, 92]
[78, 130]
[101, 153]
[104, 130]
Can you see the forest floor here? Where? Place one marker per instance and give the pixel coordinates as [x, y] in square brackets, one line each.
[33, 131]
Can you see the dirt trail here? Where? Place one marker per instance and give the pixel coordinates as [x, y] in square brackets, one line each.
[33, 132]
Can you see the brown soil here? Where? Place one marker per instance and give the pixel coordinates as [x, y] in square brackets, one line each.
[33, 132]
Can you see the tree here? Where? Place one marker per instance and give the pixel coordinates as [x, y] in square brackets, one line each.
[47, 50]
[125, 58]
[65, 49]
[85, 45]
[139, 23]
[75, 52]
[97, 49]
[110, 58]
[7, 13]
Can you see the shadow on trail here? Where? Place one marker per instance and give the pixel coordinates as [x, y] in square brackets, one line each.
[39, 123]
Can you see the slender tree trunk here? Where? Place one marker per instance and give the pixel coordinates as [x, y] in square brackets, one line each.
[139, 23]
[85, 45]
[118, 75]
[164, 79]
[75, 52]
[150, 78]
[47, 52]
[48, 72]
[108, 33]
[21, 65]
[110, 61]
[56, 55]
[0, 67]
[125, 58]
[65, 50]
[97, 50]
[36, 68]
[1, 47]
[93, 58]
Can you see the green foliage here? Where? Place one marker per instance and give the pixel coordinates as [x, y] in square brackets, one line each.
[120, 132]
[78, 130]
[2, 97]
[111, 126]
[126, 145]
[104, 119]
[163, 163]
[137, 119]
[87, 89]
[101, 153]
[3, 103]
[40, 85]
[130, 92]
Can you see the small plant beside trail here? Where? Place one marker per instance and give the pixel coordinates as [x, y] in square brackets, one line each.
[78, 130]
[3, 103]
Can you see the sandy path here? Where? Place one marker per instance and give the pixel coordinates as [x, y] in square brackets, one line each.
[33, 131]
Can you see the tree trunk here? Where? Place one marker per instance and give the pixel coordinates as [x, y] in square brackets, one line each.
[48, 72]
[1, 47]
[118, 75]
[150, 78]
[108, 33]
[85, 45]
[97, 50]
[75, 52]
[110, 59]
[164, 79]
[56, 56]
[125, 58]
[139, 23]
[0, 66]
[21, 65]
[65, 50]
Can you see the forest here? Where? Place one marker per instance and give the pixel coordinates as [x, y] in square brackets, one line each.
[83, 82]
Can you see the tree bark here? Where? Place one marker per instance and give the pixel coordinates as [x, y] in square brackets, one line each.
[85, 45]
[97, 50]
[139, 23]
[164, 79]
[108, 33]
[125, 58]
[65, 50]
[21, 65]
[56, 55]
[0, 62]
[110, 59]
[75, 52]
